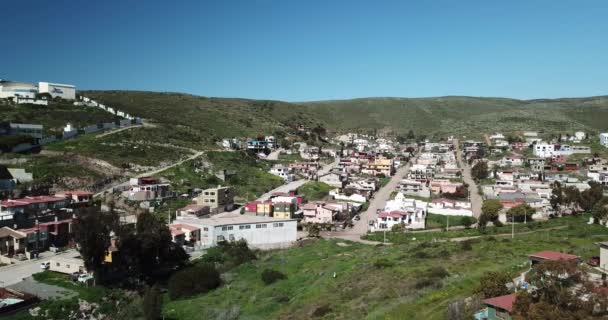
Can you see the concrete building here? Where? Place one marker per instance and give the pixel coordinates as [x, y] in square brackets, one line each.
[218, 199]
[259, 232]
[63, 91]
[10, 89]
[22, 129]
[66, 265]
[604, 139]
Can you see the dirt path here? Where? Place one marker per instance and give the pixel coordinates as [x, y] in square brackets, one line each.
[505, 234]
[475, 198]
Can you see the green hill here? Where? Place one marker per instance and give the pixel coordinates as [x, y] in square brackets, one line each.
[214, 118]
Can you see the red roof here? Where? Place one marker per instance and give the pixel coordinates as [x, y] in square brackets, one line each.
[554, 255]
[502, 302]
[78, 193]
[394, 214]
[30, 200]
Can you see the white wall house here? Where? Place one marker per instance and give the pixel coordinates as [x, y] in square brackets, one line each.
[63, 91]
[66, 265]
[10, 89]
[259, 232]
[604, 139]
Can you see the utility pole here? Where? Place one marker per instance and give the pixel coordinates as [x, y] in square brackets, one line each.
[447, 228]
[512, 226]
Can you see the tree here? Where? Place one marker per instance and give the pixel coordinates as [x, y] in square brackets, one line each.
[480, 170]
[559, 286]
[572, 198]
[494, 284]
[467, 222]
[520, 213]
[152, 304]
[600, 210]
[557, 196]
[410, 135]
[92, 232]
[590, 197]
[270, 276]
[489, 212]
[194, 280]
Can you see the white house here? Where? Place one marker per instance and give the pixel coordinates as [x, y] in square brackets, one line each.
[66, 265]
[259, 232]
[64, 91]
[283, 171]
[352, 198]
[604, 139]
[448, 207]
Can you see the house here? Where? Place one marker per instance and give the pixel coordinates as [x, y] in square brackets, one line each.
[282, 171]
[6, 179]
[380, 166]
[147, 188]
[548, 255]
[15, 209]
[259, 232]
[284, 209]
[333, 179]
[193, 211]
[259, 208]
[512, 161]
[12, 242]
[66, 265]
[218, 199]
[449, 207]
[324, 212]
[77, 198]
[257, 145]
[604, 139]
[497, 308]
[411, 218]
[337, 195]
[536, 164]
[22, 129]
[184, 234]
[20, 176]
[415, 188]
[444, 186]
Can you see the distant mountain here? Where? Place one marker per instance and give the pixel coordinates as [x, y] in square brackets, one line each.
[224, 117]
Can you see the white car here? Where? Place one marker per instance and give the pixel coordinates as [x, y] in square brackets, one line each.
[45, 265]
[84, 278]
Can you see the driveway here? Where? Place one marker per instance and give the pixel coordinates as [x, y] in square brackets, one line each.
[475, 198]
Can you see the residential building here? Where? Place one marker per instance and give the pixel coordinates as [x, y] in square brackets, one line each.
[147, 188]
[411, 218]
[333, 179]
[324, 212]
[548, 255]
[22, 129]
[285, 172]
[257, 145]
[259, 232]
[15, 209]
[380, 166]
[497, 308]
[192, 211]
[185, 234]
[218, 199]
[284, 210]
[337, 195]
[444, 186]
[77, 198]
[449, 207]
[67, 265]
[603, 255]
[11, 242]
[11, 89]
[259, 208]
[604, 139]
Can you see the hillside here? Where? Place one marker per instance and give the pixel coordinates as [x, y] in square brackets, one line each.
[213, 118]
[464, 115]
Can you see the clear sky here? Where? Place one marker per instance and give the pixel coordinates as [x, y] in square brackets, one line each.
[312, 49]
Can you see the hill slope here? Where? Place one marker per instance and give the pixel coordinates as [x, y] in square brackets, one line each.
[213, 118]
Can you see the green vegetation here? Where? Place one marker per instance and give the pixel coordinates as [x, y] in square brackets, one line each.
[331, 280]
[251, 178]
[313, 190]
[54, 117]
[122, 149]
[434, 221]
[290, 158]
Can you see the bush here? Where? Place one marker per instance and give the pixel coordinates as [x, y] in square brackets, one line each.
[383, 263]
[194, 280]
[498, 223]
[270, 276]
[229, 254]
[466, 245]
[467, 222]
[152, 304]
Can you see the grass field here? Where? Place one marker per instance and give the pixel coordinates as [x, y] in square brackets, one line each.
[123, 149]
[313, 190]
[434, 221]
[370, 282]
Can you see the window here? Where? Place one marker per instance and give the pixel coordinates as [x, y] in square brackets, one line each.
[231, 237]
[57, 264]
[206, 193]
[229, 227]
[246, 226]
[277, 224]
[264, 225]
[220, 238]
[205, 229]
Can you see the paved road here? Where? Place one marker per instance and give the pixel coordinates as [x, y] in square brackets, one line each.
[379, 200]
[476, 199]
[15, 273]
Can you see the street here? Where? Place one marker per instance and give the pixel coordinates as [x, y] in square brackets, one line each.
[378, 202]
[476, 199]
[15, 273]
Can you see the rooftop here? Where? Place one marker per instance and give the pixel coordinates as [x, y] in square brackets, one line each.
[502, 302]
[554, 255]
[231, 219]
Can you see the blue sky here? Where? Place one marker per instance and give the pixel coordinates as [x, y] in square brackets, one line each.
[312, 49]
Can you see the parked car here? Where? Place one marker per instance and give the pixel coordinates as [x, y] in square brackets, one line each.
[74, 276]
[45, 265]
[84, 278]
[594, 261]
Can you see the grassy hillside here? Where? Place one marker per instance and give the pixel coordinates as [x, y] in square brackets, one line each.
[213, 118]
[464, 115]
[413, 280]
[219, 117]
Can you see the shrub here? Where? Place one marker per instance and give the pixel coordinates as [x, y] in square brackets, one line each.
[467, 222]
[383, 263]
[270, 276]
[498, 223]
[152, 304]
[421, 255]
[466, 245]
[194, 280]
